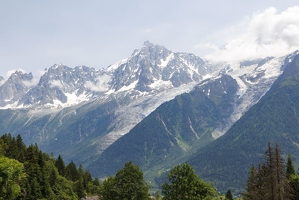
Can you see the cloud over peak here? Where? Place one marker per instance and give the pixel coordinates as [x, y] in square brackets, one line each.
[266, 33]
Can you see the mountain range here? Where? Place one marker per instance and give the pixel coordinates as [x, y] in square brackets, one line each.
[156, 108]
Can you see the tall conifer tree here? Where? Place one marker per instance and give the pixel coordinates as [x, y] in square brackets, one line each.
[270, 181]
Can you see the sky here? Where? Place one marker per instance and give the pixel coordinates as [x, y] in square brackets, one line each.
[36, 34]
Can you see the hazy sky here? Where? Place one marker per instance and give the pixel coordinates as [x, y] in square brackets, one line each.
[36, 34]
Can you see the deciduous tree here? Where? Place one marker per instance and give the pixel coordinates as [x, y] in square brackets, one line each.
[128, 184]
[184, 184]
[11, 176]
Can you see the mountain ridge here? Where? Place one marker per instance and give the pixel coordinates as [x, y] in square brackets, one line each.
[80, 112]
[123, 94]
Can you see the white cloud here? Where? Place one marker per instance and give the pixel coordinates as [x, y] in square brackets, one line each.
[56, 83]
[266, 33]
[101, 85]
[2, 82]
[32, 82]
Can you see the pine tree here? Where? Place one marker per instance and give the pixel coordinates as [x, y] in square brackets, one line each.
[59, 163]
[71, 172]
[251, 185]
[80, 188]
[270, 181]
[270, 173]
[290, 167]
[229, 195]
[21, 148]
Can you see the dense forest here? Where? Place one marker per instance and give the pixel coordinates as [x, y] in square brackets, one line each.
[29, 173]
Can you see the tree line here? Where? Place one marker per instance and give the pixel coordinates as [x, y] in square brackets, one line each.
[272, 179]
[28, 173]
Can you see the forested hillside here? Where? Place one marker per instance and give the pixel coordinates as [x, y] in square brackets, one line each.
[174, 130]
[273, 119]
[28, 173]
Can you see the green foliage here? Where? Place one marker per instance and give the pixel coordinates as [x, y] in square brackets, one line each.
[229, 195]
[294, 183]
[71, 172]
[290, 167]
[109, 189]
[185, 185]
[59, 163]
[42, 180]
[128, 184]
[11, 176]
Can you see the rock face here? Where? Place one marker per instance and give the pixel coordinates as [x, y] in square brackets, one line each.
[154, 63]
[14, 88]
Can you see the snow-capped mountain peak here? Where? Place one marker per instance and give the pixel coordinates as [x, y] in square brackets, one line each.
[150, 68]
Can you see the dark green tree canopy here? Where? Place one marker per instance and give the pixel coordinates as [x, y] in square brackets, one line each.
[229, 195]
[28, 173]
[128, 184]
[184, 184]
[290, 167]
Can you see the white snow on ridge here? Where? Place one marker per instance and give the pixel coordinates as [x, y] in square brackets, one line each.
[270, 70]
[11, 106]
[73, 99]
[160, 84]
[272, 67]
[165, 62]
[116, 65]
[129, 87]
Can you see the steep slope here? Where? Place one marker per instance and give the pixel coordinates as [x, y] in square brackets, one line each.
[252, 80]
[273, 119]
[174, 129]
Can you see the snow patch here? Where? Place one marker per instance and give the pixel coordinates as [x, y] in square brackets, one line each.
[129, 87]
[165, 62]
[160, 84]
[114, 66]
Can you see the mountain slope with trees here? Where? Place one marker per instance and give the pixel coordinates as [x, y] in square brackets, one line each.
[273, 119]
[175, 129]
